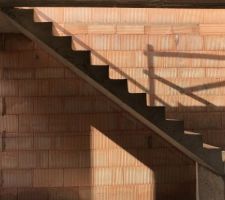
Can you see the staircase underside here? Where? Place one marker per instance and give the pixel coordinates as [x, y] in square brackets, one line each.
[116, 90]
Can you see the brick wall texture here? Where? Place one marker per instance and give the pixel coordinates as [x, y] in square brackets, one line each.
[62, 140]
[177, 56]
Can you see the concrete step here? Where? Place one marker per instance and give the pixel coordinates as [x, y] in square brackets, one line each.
[208, 146]
[191, 133]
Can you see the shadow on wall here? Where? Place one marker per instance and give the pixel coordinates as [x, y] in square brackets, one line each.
[73, 143]
[198, 111]
[149, 152]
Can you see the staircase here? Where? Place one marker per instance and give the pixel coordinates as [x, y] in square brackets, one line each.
[172, 131]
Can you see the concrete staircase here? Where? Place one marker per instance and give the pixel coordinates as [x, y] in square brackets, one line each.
[117, 90]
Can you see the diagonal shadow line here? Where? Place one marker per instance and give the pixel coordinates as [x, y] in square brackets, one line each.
[206, 86]
[180, 89]
[187, 55]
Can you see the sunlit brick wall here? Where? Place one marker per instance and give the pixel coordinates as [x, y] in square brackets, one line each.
[175, 55]
[63, 140]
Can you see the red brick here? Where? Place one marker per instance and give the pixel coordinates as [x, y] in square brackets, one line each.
[27, 159]
[67, 193]
[22, 73]
[119, 157]
[49, 14]
[19, 105]
[101, 29]
[101, 15]
[42, 159]
[58, 29]
[55, 177]
[129, 42]
[53, 62]
[117, 176]
[211, 120]
[9, 160]
[8, 194]
[63, 159]
[99, 140]
[84, 159]
[32, 194]
[130, 29]
[73, 15]
[37, 58]
[64, 87]
[41, 178]
[191, 73]
[158, 29]
[48, 178]
[77, 177]
[76, 28]
[8, 88]
[138, 175]
[68, 123]
[11, 143]
[189, 42]
[78, 105]
[45, 73]
[25, 143]
[14, 42]
[99, 158]
[48, 105]
[214, 42]
[102, 176]
[33, 88]
[77, 142]
[33, 123]
[42, 143]
[215, 72]
[17, 178]
[86, 192]
[69, 73]
[81, 42]
[160, 42]
[9, 59]
[133, 15]
[9, 123]
[212, 29]
[185, 28]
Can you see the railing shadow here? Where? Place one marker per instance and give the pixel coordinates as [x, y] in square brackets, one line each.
[153, 77]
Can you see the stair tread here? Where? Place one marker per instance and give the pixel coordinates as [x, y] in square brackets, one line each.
[191, 133]
[209, 146]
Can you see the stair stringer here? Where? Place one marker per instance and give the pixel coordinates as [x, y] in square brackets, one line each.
[27, 27]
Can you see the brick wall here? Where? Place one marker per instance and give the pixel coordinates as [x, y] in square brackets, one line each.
[175, 55]
[62, 140]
